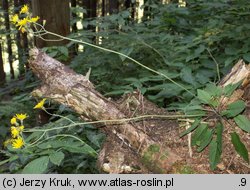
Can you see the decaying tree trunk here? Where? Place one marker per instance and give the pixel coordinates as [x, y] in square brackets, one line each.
[69, 88]
[141, 145]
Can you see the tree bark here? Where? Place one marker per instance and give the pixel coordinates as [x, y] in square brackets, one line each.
[57, 16]
[5, 5]
[66, 87]
[2, 73]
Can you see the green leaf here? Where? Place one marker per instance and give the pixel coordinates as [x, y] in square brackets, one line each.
[247, 57]
[187, 76]
[126, 51]
[207, 98]
[205, 139]
[215, 147]
[37, 166]
[63, 50]
[234, 109]
[243, 123]
[194, 125]
[231, 51]
[56, 157]
[229, 89]
[204, 96]
[198, 133]
[214, 154]
[239, 146]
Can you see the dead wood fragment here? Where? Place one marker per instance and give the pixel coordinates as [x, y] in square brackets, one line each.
[64, 86]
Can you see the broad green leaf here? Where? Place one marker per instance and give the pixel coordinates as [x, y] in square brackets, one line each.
[243, 122]
[205, 139]
[229, 89]
[187, 76]
[247, 57]
[63, 50]
[219, 132]
[198, 133]
[215, 147]
[234, 109]
[213, 90]
[207, 98]
[56, 157]
[37, 166]
[204, 96]
[214, 154]
[231, 51]
[194, 125]
[239, 146]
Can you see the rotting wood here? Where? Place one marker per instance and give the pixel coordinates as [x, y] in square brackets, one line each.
[64, 86]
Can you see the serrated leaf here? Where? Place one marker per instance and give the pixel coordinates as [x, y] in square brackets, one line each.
[239, 146]
[205, 139]
[37, 166]
[56, 157]
[234, 109]
[243, 123]
[193, 126]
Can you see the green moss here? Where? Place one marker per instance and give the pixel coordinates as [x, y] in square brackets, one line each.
[150, 156]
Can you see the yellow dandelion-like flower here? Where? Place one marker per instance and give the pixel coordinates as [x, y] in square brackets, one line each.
[14, 132]
[40, 104]
[23, 30]
[22, 23]
[15, 18]
[17, 143]
[13, 121]
[34, 19]
[21, 128]
[24, 9]
[8, 141]
[21, 116]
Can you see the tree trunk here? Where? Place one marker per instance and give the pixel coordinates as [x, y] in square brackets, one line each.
[5, 5]
[91, 6]
[57, 16]
[113, 6]
[2, 73]
[66, 87]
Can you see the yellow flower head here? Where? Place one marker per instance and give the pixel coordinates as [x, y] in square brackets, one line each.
[20, 128]
[14, 132]
[24, 9]
[21, 116]
[13, 121]
[34, 19]
[15, 18]
[22, 23]
[23, 30]
[17, 143]
[40, 104]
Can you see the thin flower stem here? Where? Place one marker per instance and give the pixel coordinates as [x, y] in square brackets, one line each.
[118, 53]
[114, 121]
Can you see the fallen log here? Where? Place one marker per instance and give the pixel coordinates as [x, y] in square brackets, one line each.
[141, 145]
[63, 85]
